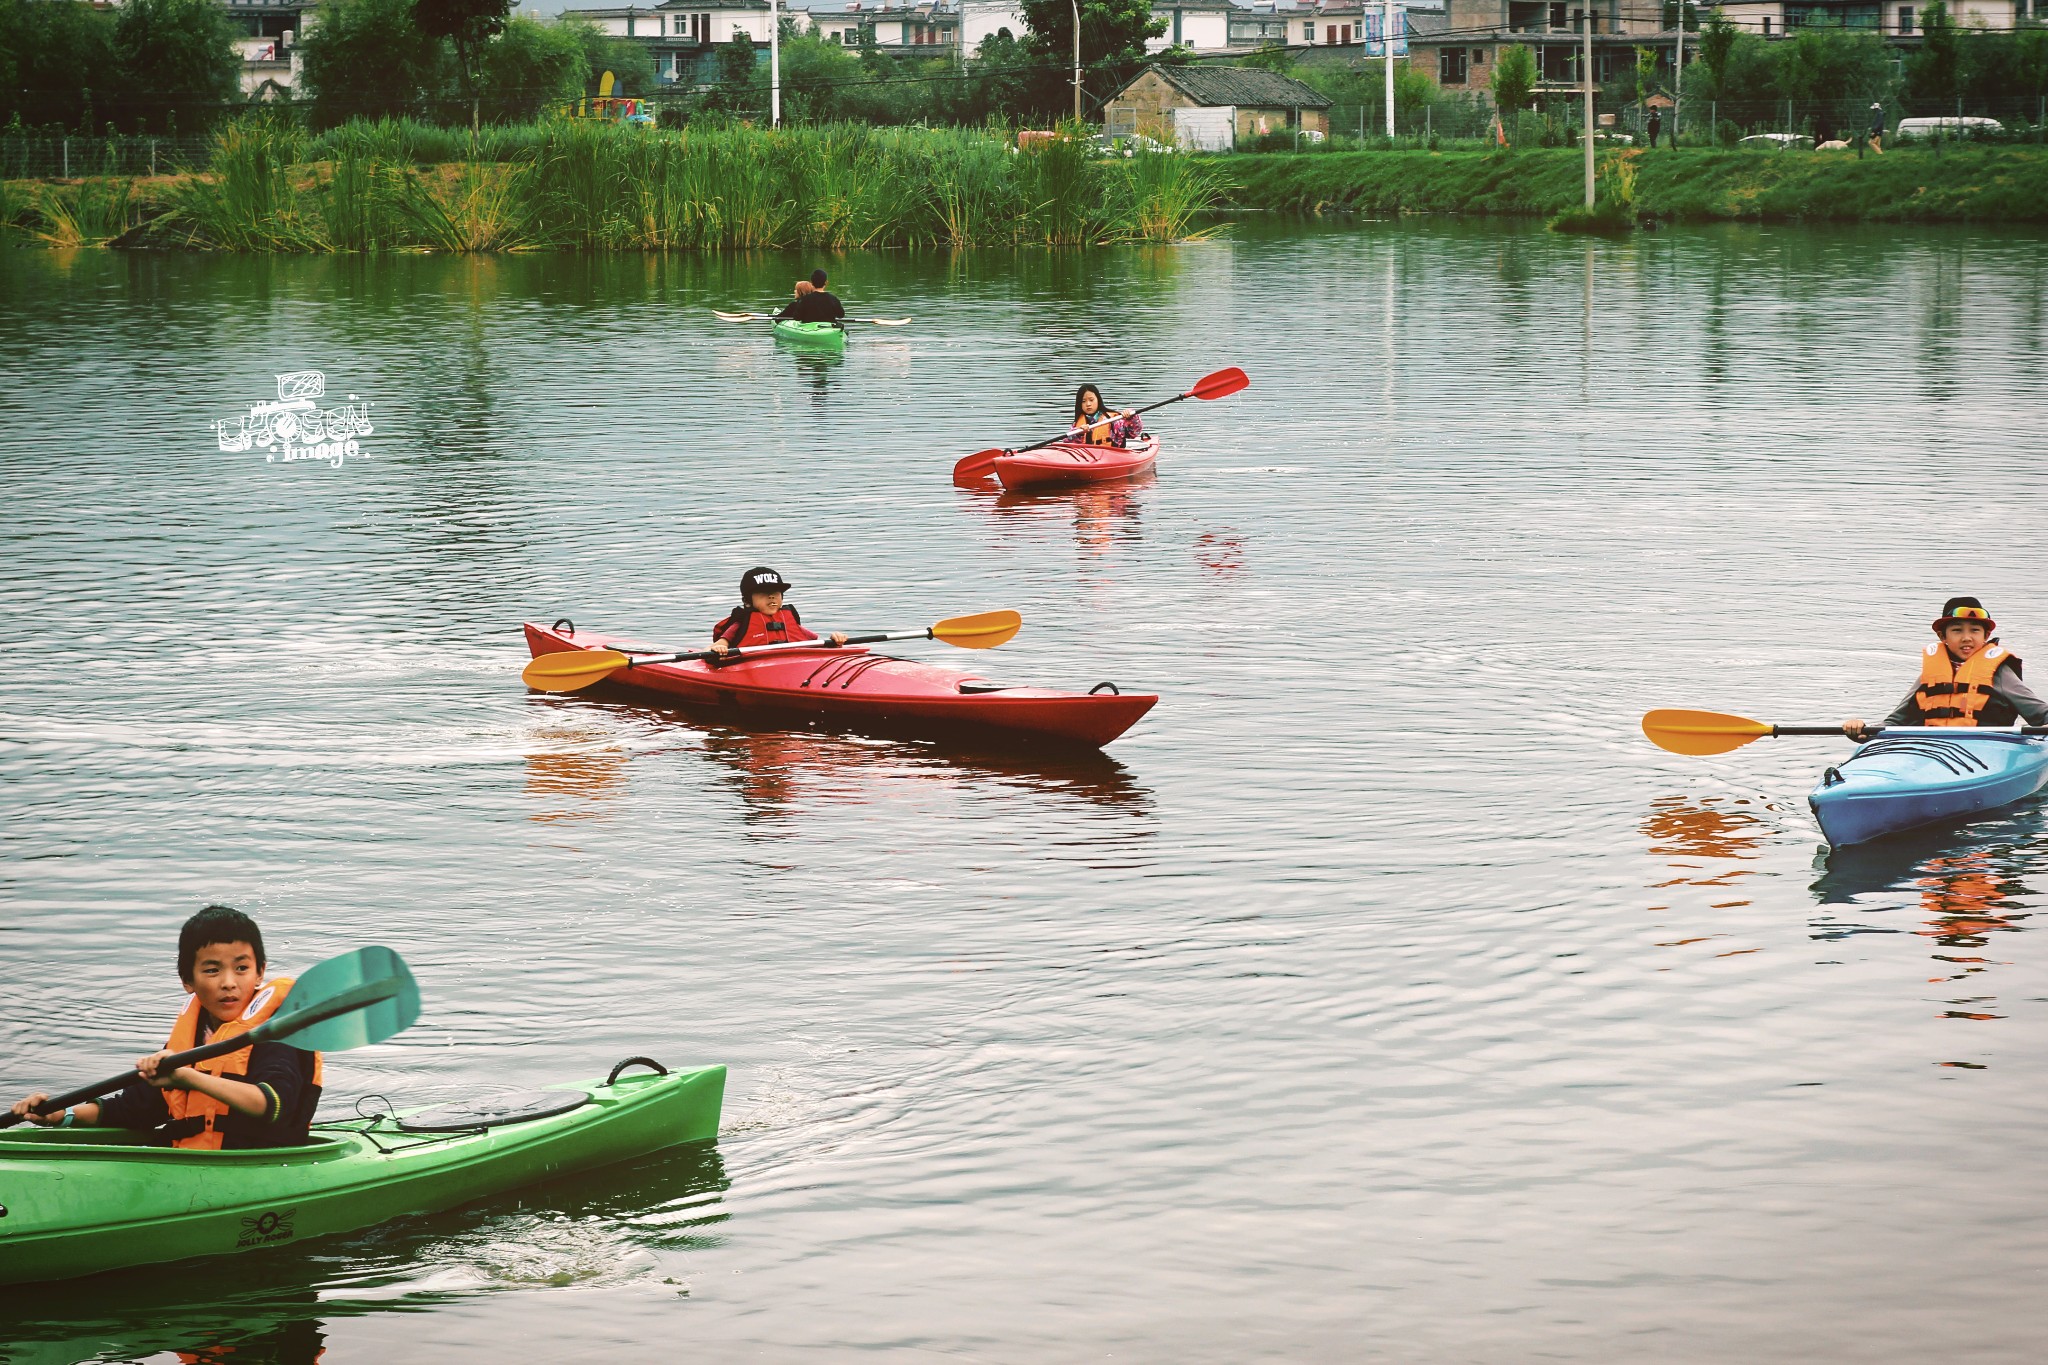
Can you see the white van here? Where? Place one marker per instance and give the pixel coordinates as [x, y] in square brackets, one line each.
[1950, 126]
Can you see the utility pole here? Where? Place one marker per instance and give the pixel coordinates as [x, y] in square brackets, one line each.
[1387, 37]
[774, 65]
[1077, 60]
[1586, 59]
[1678, 76]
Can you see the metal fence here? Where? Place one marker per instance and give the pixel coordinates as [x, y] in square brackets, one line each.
[42, 157]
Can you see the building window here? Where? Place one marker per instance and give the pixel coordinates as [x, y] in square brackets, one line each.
[1478, 56]
[1767, 26]
[1557, 16]
[1308, 33]
[1450, 66]
[1905, 19]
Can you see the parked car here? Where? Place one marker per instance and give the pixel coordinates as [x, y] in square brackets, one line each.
[1950, 126]
[1776, 140]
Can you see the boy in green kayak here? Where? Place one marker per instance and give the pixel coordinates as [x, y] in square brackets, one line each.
[1967, 678]
[261, 1096]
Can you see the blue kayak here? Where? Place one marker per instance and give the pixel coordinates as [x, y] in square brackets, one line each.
[1923, 775]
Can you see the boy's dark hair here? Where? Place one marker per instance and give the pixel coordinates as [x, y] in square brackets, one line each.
[216, 924]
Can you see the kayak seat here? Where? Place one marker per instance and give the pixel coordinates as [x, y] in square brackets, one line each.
[493, 1111]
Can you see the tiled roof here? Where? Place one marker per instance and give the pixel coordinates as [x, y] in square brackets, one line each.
[1240, 85]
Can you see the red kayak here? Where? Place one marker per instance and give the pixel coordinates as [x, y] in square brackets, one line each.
[853, 686]
[1064, 463]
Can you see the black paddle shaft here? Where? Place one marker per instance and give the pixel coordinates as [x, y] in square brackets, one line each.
[278, 1026]
[1875, 730]
[127, 1078]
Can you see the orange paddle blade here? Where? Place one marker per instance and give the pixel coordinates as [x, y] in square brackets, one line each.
[979, 465]
[572, 669]
[1221, 384]
[985, 631]
[1700, 733]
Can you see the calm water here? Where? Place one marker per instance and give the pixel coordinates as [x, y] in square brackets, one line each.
[1383, 995]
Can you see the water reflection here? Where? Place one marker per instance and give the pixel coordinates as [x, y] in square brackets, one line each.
[777, 774]
[574, 784]
[600, 1227]
[1694, 836]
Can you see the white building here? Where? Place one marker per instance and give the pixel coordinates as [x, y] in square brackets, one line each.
[1203, 25]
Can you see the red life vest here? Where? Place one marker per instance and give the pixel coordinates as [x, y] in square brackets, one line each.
[1952, 693]
[234, 1066]
[746, 627]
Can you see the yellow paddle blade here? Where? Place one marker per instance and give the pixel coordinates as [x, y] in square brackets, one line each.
[985, 631]
[572, 669]
[1701, 732]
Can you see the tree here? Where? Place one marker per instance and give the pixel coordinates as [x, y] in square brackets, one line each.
[367, 59]
[1513, 79]
[468, 24]
[529, 68]
[740, 87]
[1113, 34]
[1717, 42]
[630, 62]
[173, 59]
[1270, 57]
[1934, 74]
[1832, 64]
[999, 74]
[53, 53]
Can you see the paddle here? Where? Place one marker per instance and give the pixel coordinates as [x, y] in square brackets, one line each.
[770, 317]
[1221, 384]
[349, 1001]
[1700, 733]
[575, 669]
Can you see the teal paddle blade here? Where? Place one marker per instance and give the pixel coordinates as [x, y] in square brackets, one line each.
[348, 1001]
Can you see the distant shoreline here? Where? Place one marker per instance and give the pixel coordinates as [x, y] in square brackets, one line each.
[1962, 183]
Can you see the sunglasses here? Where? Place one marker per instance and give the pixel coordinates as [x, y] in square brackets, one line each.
[1969, 614]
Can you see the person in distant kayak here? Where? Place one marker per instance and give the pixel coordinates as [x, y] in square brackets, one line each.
[1097, 426]
[762, 618]
[262, 1096]
[813, 303]
[1966, 677]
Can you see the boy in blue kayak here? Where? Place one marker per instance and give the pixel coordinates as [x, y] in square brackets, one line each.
[1966, 678]
[261, 1096]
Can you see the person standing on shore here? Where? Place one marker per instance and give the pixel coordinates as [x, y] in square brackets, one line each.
[1876, 138]
[1656, 128]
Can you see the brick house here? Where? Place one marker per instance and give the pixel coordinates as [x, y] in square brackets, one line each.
[1214, 107]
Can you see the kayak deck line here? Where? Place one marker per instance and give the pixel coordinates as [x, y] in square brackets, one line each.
[1912, 777]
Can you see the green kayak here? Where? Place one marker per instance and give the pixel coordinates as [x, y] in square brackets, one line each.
[810, 333]
[78, 1201]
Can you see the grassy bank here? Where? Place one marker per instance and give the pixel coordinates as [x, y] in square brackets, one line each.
[1962, 184]
[599, 187]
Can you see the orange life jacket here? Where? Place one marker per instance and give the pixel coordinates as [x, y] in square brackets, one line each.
[1099, 434]
[234, 1066]
[746, 627]
[1952, 693]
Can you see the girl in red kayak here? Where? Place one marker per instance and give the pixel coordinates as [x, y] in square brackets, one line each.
[1097, 427]
[761, 618]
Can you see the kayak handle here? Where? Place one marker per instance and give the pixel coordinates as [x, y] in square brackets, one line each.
[648, 1062]
[561, 621]
[1109, 687]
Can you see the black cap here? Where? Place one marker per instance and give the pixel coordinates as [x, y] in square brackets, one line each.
[818, 279]
[1964, 609]
[761, 580]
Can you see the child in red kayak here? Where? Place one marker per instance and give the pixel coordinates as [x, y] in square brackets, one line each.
[262, 1096]
[1100, 428]
[761, 618]
[1966, 677]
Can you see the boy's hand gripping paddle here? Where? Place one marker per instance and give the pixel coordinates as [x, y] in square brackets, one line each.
[349, 1001]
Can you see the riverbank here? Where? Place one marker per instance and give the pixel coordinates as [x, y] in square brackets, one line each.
[2006, 184]
[597, 187]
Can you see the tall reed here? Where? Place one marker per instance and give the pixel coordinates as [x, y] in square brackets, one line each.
[595, 187]
[93, 213]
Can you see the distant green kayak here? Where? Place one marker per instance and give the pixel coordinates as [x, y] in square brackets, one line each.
[810, 333]
[83, 1200]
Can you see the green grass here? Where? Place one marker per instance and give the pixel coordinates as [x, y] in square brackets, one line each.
[1962, 184]
[586, 186]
